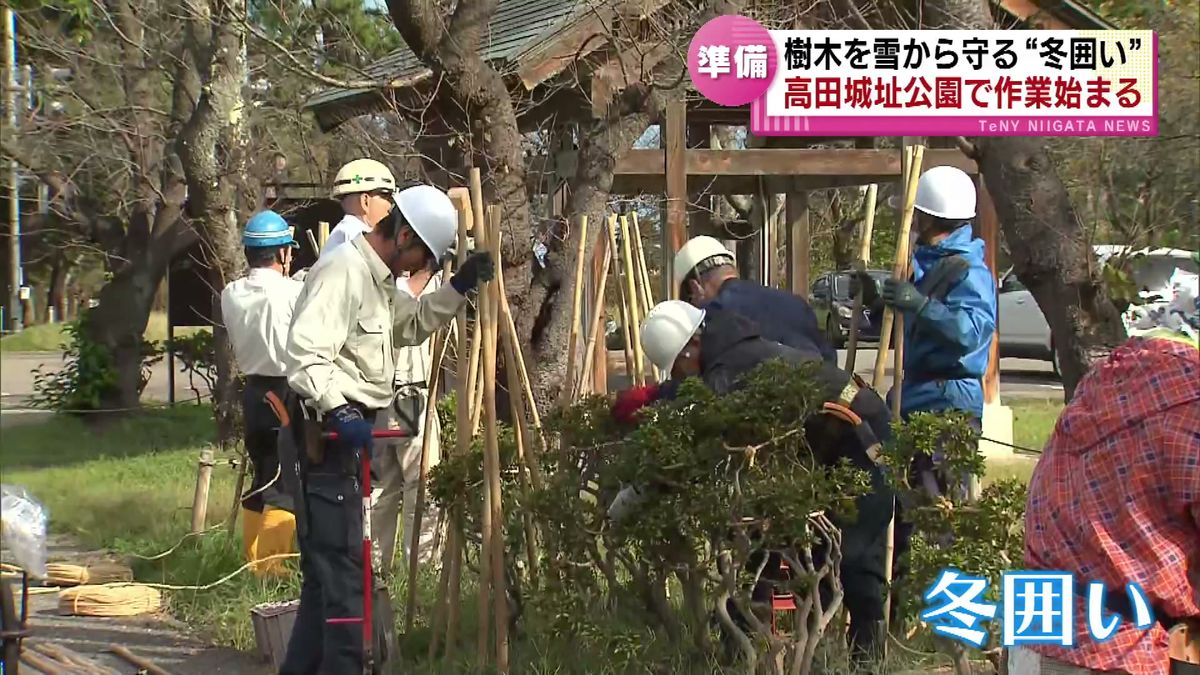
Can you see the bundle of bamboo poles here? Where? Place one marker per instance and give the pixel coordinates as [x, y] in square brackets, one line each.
[618, 249]
[111, 600]
[492, 334]
[63, 574]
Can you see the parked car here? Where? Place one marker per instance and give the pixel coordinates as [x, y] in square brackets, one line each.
[1024, 332]
[830, 299]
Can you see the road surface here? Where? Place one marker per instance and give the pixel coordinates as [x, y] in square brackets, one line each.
[1019, 378]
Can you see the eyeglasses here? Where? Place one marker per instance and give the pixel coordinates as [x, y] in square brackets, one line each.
[381, 193]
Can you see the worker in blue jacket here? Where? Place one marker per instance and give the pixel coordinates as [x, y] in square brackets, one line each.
[949, 305]
[707, 277]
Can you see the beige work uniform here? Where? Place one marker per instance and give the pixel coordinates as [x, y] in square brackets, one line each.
[398, 463]
[347, 323]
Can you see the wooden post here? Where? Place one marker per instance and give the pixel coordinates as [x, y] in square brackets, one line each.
[576, 308]
[799, 243]
[200, 498]
[860, 265]
[675, 159]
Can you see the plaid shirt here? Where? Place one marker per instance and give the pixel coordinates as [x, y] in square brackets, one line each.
[1116, 497]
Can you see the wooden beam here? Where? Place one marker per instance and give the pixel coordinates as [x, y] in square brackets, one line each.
[1035, 15]
[634, 184]
[799, 245]
[784, 162]
[674, 160]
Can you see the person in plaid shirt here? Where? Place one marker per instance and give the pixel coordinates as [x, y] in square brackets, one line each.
[1116, 499]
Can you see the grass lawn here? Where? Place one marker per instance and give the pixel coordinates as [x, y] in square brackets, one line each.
[1033, 422]
[128, 486]
[48, 337]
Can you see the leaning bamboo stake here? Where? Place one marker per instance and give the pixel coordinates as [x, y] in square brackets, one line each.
[597, 327]
[576, 307]
[322, 234]
[485, 322]
[440, 340]
[860, 267]
[625, 329]
[519, 383]
[912, 170]
[449, 584]
[143, 663]
[635, 314]
[643, 271]
[492, 448]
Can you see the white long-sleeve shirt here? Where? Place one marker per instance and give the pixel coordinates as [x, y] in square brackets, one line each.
[257, 311]
[347, 322]
[346, 230]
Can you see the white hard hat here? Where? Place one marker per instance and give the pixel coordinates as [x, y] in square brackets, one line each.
[946, 192]
[431, 214]
[696, 251]
[362, 175]
[668, 327]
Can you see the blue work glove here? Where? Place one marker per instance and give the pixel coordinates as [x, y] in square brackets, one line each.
[353, 430]
[903, 296]
[476, 269]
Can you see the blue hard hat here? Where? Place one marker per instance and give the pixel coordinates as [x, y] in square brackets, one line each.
[267, 229]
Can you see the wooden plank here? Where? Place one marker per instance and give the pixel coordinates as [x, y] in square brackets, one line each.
[674, 160]
[780, 162]
[988, 225]
[738, 185]
[798, 241]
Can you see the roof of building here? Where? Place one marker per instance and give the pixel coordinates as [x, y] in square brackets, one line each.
[520, 27]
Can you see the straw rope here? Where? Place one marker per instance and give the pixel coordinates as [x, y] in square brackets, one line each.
[110, 601]
[63, 574]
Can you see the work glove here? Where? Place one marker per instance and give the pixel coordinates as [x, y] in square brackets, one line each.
[353, 430]
[630, 401]
[476, 269]
[861, 282]
[903, 296]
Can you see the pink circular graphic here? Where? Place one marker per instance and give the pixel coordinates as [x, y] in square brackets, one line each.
[732, 60]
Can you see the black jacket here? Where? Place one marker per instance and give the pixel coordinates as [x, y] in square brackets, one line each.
[781, 316]
[731, 346]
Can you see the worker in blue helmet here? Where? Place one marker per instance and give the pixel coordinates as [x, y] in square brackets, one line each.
[257, 311]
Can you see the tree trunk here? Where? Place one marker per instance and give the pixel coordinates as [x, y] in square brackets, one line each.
[118, 323]
[58, 284]
[1048, 243]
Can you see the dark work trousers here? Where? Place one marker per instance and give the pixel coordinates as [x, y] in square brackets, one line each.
[904, 527]
[262, 429]
[331, 566]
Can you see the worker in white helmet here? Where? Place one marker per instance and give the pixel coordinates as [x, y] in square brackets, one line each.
[949, 308]
[340, 361]
[364, 188]
[707, 275]
[720, 347]
[396, 463]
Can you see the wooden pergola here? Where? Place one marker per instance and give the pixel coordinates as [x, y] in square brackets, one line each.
[537, 44]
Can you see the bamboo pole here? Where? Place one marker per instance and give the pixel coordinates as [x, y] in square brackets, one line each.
[322, 234]
[492, 452]
[860, 266]
[449, 584]
[440, 340]
[911, 172]
[635, 313]
[200, 497]
[484, 323]
[643, 269]
[597, 326]
[625, 329]
[576, 308]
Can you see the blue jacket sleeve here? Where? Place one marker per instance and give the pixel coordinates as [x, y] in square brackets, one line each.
[966, 319]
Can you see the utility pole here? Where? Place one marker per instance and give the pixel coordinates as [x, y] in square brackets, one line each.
[15, 308]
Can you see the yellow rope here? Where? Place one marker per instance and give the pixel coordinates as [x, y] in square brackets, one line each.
[62, 574]
[109, 600]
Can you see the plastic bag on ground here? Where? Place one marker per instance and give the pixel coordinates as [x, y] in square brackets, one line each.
[24, 529]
